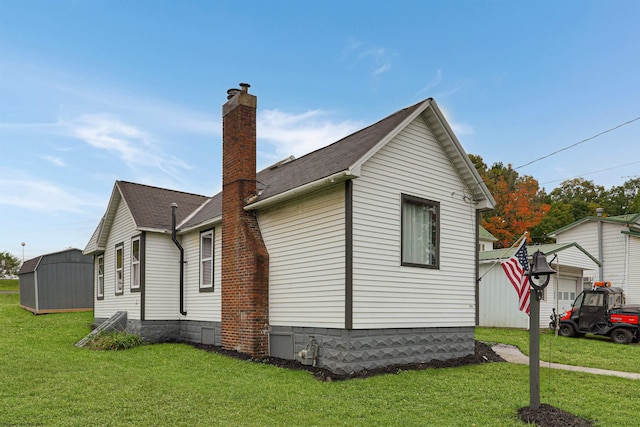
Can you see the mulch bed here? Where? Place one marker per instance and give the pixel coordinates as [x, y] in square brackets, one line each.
[544, 416]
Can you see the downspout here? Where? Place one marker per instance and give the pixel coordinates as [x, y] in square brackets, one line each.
[599, 212]
[174, 206]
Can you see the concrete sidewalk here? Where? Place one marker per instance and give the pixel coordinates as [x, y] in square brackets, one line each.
[513, 355]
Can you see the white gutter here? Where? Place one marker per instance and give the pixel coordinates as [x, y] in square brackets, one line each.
[342, 176]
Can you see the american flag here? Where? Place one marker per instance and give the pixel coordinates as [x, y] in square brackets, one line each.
[516, 269]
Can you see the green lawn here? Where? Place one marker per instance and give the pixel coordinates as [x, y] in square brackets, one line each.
[592, 351]
[45, 380]
[9, 285]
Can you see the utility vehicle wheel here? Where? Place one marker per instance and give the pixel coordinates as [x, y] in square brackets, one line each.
[621, 336]
[566, 330]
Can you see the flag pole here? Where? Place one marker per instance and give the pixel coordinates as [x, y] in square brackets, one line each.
[524, 235]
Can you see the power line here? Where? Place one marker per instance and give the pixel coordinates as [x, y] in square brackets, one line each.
[590, 173]
[579, 142]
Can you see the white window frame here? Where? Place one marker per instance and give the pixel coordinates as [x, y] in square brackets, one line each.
[206, 259]
[100, 276]
[135, 263]
[119, 270]
[420, 236]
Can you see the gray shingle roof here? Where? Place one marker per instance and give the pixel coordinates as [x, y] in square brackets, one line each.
[151, 206]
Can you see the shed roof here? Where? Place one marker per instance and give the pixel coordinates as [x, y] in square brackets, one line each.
[627, 220]
[31, 265]
[485, 235]
[548, 249]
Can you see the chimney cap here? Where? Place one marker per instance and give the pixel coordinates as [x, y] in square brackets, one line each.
[232, 92]
[599, 211]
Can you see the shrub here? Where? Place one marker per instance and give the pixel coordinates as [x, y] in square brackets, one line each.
[114, 341]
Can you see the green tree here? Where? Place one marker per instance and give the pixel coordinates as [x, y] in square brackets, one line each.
[582, 195]
[9, 264]
[623, 199]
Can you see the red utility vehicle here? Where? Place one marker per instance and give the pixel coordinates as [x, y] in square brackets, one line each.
[601, 311]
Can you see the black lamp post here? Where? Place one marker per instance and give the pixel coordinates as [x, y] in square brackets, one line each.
[540, 271]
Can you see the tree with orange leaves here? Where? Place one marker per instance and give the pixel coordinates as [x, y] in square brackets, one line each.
[519, 202]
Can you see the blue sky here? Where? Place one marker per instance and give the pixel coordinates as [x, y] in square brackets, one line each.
[95, 91]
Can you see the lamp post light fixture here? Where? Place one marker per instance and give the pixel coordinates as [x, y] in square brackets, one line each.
[540, 271]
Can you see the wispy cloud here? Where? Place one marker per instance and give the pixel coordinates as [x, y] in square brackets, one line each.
[25, 192]
[55, 160]
[299, 134]
[459, 128]
[435, 81]
[130, 144]
[378, 59]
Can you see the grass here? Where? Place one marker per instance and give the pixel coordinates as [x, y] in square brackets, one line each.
[9, 285]
[592, 351]
[47, 381]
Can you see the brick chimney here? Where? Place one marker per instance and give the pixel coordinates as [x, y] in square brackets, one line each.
[245, 261]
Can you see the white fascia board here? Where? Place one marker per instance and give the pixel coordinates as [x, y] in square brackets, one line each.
[489, 202]
[209, 222]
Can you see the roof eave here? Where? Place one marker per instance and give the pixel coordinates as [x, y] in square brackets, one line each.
[319, 184]
[210, 222]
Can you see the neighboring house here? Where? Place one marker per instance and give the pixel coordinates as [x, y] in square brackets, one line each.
[486, 240]
[615, 240]
[57, 282]
[363, 253]
[499, 305]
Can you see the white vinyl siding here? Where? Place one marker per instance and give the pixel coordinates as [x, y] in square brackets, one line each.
[122, 230]
[305, 239]
[385, 293]
[499, 301]
[632, 289]
[162, 278]
[614, 244]
[205, 306]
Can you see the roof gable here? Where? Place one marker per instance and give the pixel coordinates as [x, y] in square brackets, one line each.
[149, 207]
[342, 160]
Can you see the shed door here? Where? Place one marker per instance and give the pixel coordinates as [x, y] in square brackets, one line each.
[567, 288]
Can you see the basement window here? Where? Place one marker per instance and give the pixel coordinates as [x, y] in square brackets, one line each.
[206, 261]
[119, 269]
[100, 276]
[135, 263]
[420, 238]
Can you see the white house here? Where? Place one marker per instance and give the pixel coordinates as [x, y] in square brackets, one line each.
[615, 241]
[362, 252]
[499, 304]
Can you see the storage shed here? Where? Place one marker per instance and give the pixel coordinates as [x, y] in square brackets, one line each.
[57, 282]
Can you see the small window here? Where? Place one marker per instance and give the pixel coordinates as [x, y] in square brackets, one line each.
[135, 263]
[206, 260]
[119, 269]
[420, 232]
[100, 277]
